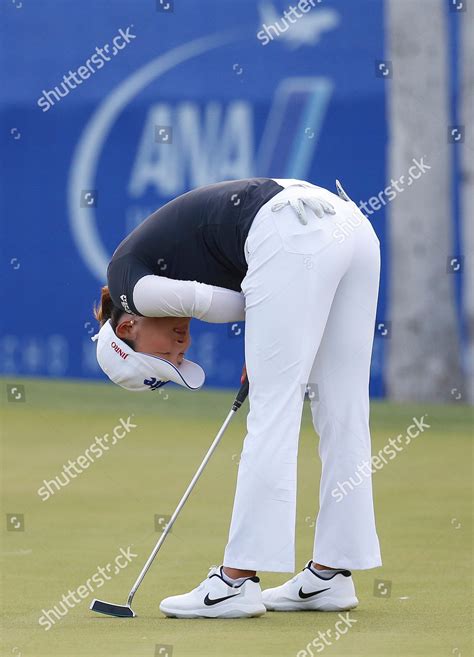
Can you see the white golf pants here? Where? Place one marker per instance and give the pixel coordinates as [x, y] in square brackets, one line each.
[311, 295]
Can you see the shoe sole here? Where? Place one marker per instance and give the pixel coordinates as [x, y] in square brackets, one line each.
[322, 604]
[241, 612]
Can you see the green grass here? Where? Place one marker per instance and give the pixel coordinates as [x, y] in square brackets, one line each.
[423, 505]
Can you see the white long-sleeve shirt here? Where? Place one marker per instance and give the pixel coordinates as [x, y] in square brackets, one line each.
[157, 296]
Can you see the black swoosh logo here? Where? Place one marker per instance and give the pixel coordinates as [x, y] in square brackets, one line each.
[209, 602]
[303, 596]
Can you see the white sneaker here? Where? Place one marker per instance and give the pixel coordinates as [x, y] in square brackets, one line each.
[310, 591]
[214, 598]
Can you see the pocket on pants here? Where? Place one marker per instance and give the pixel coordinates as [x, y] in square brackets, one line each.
[302, 239]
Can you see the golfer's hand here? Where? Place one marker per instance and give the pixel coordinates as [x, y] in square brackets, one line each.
[244, 374]
[319, 206]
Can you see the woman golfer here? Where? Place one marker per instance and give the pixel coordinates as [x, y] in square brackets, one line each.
[301, 266]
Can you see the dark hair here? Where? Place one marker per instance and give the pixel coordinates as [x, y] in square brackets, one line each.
[106, 309]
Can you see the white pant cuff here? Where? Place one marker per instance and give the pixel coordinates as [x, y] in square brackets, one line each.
[260, 566]
[349, 564]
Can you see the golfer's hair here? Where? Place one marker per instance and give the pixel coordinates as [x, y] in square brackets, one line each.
[106, 309]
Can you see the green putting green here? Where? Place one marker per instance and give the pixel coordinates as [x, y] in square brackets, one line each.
[113, 501]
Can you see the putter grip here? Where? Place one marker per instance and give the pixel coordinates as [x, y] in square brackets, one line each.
[241, 395]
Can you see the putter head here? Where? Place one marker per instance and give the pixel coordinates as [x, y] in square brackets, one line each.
[109, 609]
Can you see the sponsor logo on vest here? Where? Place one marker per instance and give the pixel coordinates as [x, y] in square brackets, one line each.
[120, 351]
[124, 302]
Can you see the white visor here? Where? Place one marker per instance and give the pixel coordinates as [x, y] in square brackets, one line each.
[136, 371]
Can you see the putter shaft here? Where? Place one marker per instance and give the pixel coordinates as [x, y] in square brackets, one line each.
[239, 400]
[179, 507]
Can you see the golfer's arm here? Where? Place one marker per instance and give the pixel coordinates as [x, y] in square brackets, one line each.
[157, 296]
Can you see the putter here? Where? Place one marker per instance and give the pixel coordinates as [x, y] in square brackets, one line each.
[126, 611]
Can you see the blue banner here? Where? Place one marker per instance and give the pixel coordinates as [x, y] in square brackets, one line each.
[112, 109]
